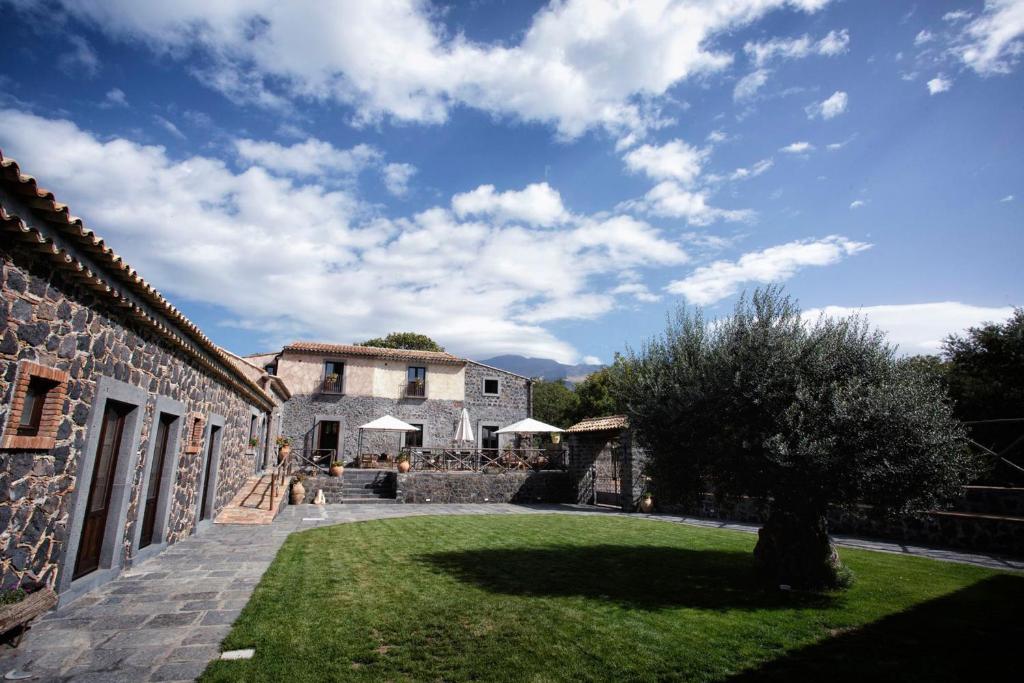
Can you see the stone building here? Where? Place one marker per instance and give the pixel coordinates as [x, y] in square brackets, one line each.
[606, 464]
[335, 388]
[123, 428]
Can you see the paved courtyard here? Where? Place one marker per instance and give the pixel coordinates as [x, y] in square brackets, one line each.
[164, 619]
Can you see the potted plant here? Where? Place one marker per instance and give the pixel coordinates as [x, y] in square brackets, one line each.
[298, 490]
[403, 462]
[647, 502]
[337, 468]
[253, 443]
[284, 448]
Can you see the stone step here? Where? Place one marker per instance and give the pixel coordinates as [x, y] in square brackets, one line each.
[368, 501]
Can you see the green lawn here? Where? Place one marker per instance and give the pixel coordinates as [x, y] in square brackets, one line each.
[572, 598]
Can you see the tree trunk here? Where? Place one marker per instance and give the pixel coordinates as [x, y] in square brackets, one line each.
[793, 549]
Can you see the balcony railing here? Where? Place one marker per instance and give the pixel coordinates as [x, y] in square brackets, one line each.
[331, 385]
[485, 459]
[415, 390]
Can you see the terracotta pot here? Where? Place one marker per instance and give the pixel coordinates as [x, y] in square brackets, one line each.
[647, 504]
[337, 470]
[404, 466]
[298, 493]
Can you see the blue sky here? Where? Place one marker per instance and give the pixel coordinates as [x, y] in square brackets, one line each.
[544, 179]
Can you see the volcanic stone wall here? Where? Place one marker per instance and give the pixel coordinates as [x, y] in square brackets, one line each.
[511, 405]
[546, 486]
[301, 412]
[438, 417]
[46, 319]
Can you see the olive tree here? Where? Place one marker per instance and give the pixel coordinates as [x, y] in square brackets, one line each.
[804, 415]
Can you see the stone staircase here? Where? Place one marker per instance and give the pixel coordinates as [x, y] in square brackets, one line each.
[356, 486]
[253, 504]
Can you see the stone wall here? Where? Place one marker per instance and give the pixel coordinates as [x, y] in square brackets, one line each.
[511, 405]
[301, 412]
[439, 417]
[548, 486]
[46, 319]
[590, 450]
[980, 531]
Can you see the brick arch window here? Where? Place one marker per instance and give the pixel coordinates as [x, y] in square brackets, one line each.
[36, 407]
[194, 439]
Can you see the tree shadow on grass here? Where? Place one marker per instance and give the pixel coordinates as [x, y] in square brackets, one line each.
[974, 634]
[648, 577]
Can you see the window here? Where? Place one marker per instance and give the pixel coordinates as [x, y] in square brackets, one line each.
[416, 382]
[489, 436]
[414, 439]
[334, 373]
[270, 368]
[32, 409]
[36, 407]
[492, 386]
[253, 425]
[195, 433]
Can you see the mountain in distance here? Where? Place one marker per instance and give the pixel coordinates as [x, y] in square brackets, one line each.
[544, 368]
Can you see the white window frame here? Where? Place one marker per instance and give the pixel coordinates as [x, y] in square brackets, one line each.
[483, 386]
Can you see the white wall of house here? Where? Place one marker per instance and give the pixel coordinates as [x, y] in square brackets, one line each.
[304, 373]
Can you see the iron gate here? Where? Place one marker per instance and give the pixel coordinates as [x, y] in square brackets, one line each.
[607, 475]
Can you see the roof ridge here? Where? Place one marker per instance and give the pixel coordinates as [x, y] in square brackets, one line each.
[114, 267]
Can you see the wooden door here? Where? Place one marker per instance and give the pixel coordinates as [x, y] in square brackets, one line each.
[156, 477]
[204, 513]
[97, 506]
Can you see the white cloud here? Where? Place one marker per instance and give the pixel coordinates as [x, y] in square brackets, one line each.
[762, 53]
[801, 147]
[672, 200]
[313, 157]
[274, 250]
[675, 160]
[169, 126]
[747, 87]
[537, 204]
[857, 203]
[722, 279]
[956, 15]
[115, 97]
[579, 64]
[939, 84]
[919, 328]
[923, 36]
[81, 59]
[592, 360]
[992, 43]
[753, 171]
[717, 136]
[397, 177]
[638, 291]
[1007, 198]
[832, 106]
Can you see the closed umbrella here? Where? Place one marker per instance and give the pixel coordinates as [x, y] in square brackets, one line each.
[464, 432]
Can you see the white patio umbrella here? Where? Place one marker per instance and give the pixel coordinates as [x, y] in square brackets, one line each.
[529, 426]
[464, 432]
[384, 424]
[389, 424]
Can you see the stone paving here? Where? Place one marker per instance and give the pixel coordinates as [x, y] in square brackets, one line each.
[164, 619]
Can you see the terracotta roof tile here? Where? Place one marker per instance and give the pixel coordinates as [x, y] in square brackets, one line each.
[186, 333]
[374, 352]
[600, 424]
